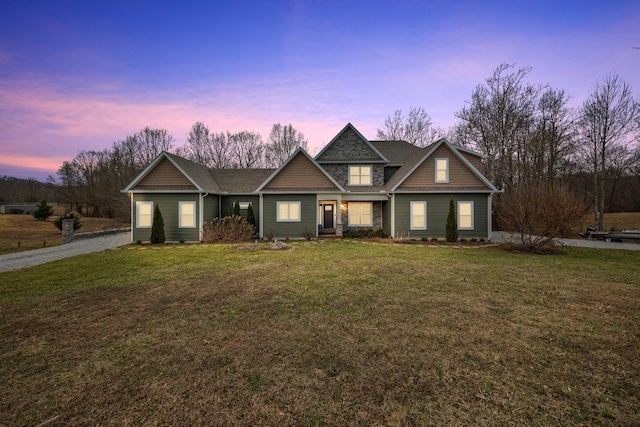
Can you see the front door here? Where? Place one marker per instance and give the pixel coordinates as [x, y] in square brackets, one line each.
[327, 220]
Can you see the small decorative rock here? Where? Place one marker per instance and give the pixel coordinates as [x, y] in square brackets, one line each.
[277, 244]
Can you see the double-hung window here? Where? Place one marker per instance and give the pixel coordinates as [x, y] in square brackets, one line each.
[442, 170]
[186, 214]
[465, 215]
[360, 175]
[361, 214]
[288, 211]
[418, 215]
[144, 214]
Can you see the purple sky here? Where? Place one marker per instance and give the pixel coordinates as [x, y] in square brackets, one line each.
[79, 75]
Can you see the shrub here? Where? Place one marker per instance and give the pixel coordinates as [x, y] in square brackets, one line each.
[43, 211]
[452, 223]
[308, 234]
[540, 213]
[228, 229]
[251, 219]
[365, 233]
[157, 227]
[68, 215]
[236, 208]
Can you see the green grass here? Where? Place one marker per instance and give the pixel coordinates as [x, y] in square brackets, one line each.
[326, 333]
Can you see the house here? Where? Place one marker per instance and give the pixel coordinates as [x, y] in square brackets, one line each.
[352, 183]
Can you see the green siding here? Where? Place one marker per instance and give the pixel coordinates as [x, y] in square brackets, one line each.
[309, 215]
[211, 207]
[228, 201]
[437, 210]
[386, 217]
[168, 204]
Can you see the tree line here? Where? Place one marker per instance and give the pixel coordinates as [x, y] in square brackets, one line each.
[529, 133]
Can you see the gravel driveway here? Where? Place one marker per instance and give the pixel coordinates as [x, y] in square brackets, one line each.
[25, 259]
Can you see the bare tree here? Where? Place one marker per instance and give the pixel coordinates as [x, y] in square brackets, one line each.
[247, 149]
[416, 128]
[151, 142]
[197, 146]
[498, 120]
[608, 119]
[282, 142]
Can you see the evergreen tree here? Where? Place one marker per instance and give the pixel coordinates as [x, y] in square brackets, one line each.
[251, 219]
[157, 228]
[225, 212]
[236, 208]
[68, 215]
[43, 212]
[452, 223]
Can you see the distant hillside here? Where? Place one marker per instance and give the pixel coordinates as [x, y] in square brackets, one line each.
[26, 190]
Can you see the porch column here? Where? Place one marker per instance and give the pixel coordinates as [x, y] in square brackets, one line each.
[339, 215]
[261, 216]
[393, 216]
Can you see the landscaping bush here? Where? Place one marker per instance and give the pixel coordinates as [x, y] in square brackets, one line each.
[540, 213]
[365, 233]
[68, 215]
[236, 208]
[43, 211]
[228, 229]
[251, 219]
[452, 223]
[157, 227]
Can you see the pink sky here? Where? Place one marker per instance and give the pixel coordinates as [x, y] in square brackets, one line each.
[91, 85]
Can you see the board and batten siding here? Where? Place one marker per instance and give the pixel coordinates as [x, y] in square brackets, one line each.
[308, 215]
[437, 211]
[459, 174]
[168, 204]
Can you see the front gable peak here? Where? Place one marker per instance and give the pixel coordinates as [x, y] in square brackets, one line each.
[349, 146]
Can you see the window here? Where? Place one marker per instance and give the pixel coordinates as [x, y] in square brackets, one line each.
[144, 214]
[359, 175]
[465, 215]
[187, 214]
[288, 211]
[244, 205]
[442, 170]
[418, 215]
[360, 214]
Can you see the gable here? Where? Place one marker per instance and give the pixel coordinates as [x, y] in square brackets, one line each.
[460, 176]
[300, 173]
[350, 146]
[165, 176]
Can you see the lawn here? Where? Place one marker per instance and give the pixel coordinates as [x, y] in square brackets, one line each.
[339, 332]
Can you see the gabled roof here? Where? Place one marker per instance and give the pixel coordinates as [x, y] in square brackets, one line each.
[302, 154]
[419, 157]
[196, 174]
[240, 181]
[374, 155]
[396, 152]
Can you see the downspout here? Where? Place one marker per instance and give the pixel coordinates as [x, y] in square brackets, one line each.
[201, 215]
[261, 218]
[132, 218]
[393, 215]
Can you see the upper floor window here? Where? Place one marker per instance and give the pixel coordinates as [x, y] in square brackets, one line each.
[442, 170]
[360, 175]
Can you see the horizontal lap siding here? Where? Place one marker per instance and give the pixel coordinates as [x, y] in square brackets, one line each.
[211, 207]
[459, 174]
[309, 219]
[165, 174]
[168, 204]
[437, 211]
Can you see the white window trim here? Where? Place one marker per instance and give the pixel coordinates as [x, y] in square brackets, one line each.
[472, 215]
[278, 219]
[370, 204]
[360, 175]
[180, 220]
[411, 216]
[446, 180]
[138, 204]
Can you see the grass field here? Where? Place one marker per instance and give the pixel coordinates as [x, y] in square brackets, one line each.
[23, 232]
[325, 333]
